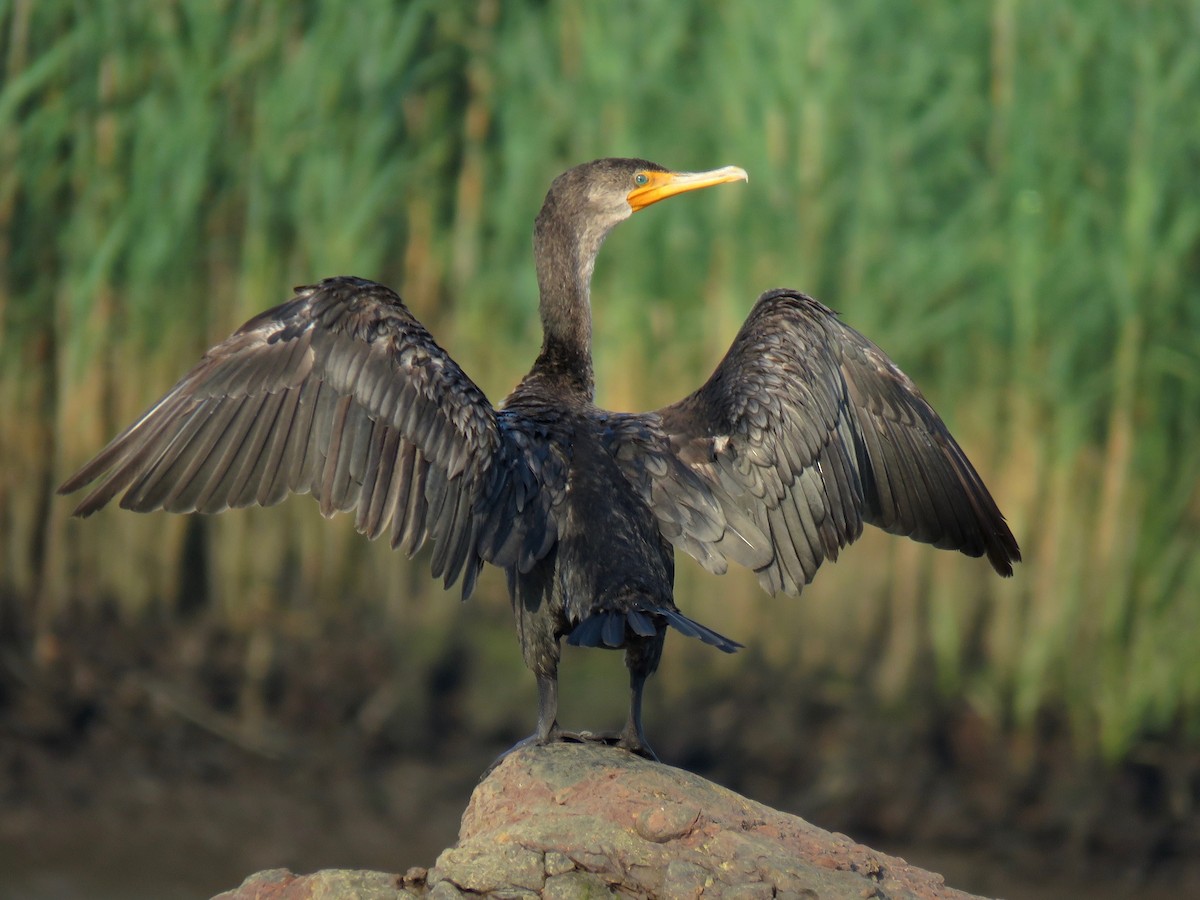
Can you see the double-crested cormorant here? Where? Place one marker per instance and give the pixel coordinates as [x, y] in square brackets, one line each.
[804, 431]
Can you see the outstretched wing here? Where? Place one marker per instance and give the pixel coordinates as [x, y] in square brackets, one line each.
[340, 392]
[805, 430]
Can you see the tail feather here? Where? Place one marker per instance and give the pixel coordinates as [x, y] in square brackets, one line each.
[692, 628]
[641, 623]
[614, 630]
[611, 629]
[587, 633]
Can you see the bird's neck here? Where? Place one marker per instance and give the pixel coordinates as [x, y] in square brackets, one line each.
[565, 259]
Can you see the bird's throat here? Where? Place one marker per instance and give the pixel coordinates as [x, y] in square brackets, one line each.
[564, 269]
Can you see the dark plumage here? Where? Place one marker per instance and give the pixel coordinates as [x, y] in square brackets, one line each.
[805, 431]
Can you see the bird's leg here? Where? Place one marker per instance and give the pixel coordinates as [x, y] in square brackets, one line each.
[547, 727]
[547, 730]
[633, 738]
[547, 724]
[642, 659]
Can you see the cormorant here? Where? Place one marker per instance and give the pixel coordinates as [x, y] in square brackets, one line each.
[805, 431]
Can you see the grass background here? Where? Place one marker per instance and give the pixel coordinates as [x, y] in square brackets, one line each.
[1003, 195]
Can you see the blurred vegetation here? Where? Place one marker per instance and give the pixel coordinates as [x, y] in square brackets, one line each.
[1004, 195]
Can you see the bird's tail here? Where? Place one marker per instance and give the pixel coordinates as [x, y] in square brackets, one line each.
[612, 628]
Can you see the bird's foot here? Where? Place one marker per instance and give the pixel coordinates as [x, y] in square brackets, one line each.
[553, 735]
[532, 741]
[636, 744]
[626, 740]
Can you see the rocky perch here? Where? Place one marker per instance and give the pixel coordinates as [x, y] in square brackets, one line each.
[584, 820]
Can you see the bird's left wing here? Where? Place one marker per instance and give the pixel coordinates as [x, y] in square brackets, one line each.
[804, 431]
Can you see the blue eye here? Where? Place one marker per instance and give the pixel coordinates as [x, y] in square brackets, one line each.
[640, 178]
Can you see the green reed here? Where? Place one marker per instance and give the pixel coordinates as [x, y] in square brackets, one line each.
[1002, 195]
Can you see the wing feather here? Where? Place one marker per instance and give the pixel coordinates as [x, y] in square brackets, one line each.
[955, 510]
[340, 392]
[253, 465]
[213, 488]
[805, 431]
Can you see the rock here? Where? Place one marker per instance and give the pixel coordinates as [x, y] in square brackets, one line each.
[280, 884]
[585, 820]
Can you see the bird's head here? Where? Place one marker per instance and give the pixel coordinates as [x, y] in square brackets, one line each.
[605, 192]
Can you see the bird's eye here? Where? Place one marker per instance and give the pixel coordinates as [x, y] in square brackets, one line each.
[640, 178]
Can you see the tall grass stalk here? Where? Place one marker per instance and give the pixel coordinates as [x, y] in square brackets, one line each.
[1003, 196]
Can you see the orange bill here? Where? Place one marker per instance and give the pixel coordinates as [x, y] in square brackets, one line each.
[661, 185]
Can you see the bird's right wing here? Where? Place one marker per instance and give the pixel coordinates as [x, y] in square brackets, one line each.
[341, 392]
